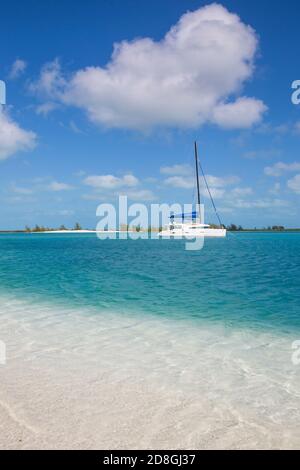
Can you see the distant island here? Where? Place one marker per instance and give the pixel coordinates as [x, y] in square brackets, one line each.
[126, 228]
[274, 228]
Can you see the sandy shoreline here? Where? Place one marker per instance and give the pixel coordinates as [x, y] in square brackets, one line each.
[124, 417]
[76, 382]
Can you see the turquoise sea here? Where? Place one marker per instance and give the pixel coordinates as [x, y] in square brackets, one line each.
[142, 344]
[247, 279]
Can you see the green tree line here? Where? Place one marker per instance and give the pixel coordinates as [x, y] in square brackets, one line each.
[42, 228]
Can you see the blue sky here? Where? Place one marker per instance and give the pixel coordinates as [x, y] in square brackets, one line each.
[82, 125]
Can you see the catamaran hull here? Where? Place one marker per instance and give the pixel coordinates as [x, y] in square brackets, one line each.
[209, 232]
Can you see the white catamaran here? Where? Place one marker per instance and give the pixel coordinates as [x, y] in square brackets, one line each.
[191, 225]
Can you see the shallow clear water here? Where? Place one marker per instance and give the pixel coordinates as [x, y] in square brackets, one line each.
[147, 345]
[246, 279]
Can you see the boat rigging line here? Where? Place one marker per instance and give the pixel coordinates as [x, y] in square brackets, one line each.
[207, 187]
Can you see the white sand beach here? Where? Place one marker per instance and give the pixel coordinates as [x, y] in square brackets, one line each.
[80, 381]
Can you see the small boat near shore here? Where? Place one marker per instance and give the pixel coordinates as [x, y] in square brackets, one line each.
[191, 225]
[192, 229]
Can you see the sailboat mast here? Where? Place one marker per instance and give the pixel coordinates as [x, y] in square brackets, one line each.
[197, 177]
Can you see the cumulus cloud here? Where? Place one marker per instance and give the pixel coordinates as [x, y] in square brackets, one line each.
[243, 113]
[178, 169]
[108, 186]
[111, 181]
[17, 69]
[263, 154]
[260, 204]
[216, 184]
[275, 189]
[180, 182]
[242, 191]
[280, 168]
[57, 186]
[21, 190]
[140, 195]
[13, 138]
[66, 212]
[40, 184]
[193, 76]
[50, 82]
[45, 108]
[294, 184]
[297, 127]
[224, 189]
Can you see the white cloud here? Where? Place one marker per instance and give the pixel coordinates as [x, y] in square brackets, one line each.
[297, 127]
[132, 194]
[66, 212]
[242, 191]
[280, 168]
[263, 154]
[241, 114]
[191, 77]
[79, 173]
[51, 82]
[279, 130]
[74, 128]
[46, 108]
[17, 68]
[180, 182]
[276, 189]
[13, 138]
[140, 195]
[56, 186]
[111, 181]
[38, 185]
[150, 180]
[220, 188]
[217, 193]
[241, 198]
[216, 184]
[259, 204]
[178, 169]
[294, 184]
[21, 190]
[108, 186]
[20, 200]
[232, 198]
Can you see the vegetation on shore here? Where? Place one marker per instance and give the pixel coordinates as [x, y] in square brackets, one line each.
[274, 228]
[77, 226]
[41, 228]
